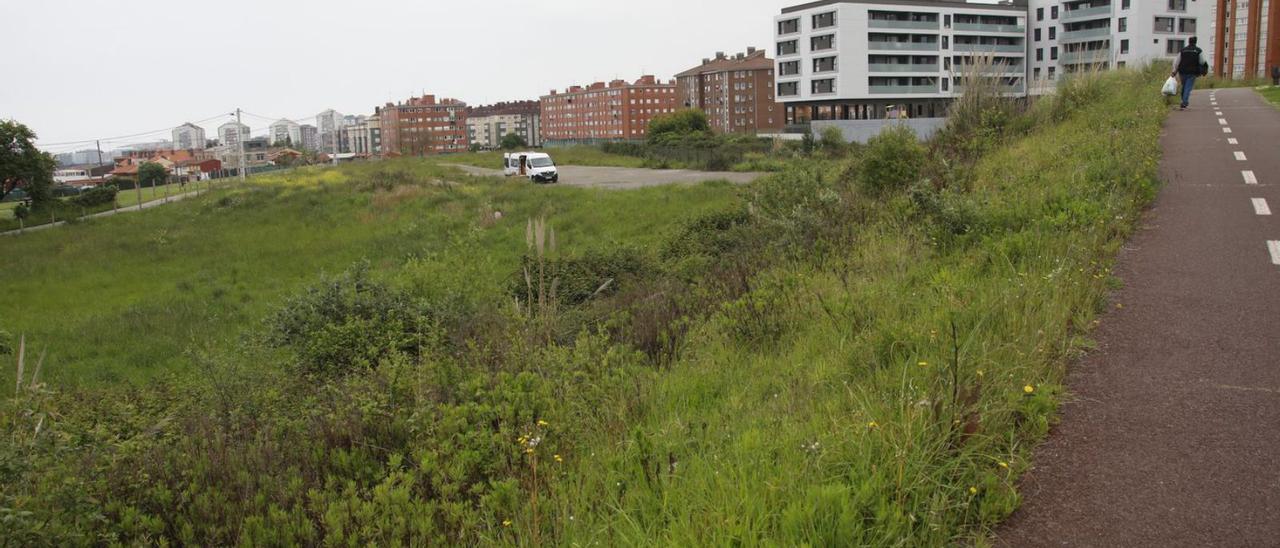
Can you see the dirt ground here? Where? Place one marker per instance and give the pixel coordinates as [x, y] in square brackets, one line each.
[621, 178]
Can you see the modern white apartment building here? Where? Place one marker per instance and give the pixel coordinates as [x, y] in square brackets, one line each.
[1071, 35]
[285, 131]
[231, 133]
[328, 125]
[868, 59]
[188, 136]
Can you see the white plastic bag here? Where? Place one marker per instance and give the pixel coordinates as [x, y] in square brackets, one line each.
[1170, 86]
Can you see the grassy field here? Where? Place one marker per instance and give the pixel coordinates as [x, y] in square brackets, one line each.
[124, 199]
[1271, 93]
[565, 156]
[147, 288]
[862, 349]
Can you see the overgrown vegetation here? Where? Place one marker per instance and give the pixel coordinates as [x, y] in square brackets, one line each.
[858, 351]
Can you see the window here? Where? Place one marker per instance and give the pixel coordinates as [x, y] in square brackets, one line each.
[1039, 54]
[1177, 5]
[820, 43]
[1053, 12]
[827, 85]
[1037, 35]
[946, 42]
[1187, 26]
[788, 89]
[824, 64]
[946, 63]
[1124, 46]
[788, 27]
[824, 20]
[945, 81]
[1123, 24]
[1053, 73]
[1053, 33]
[1124, 4]
[1035, 73]
[1053, 53]
[946, 21]
[1039, 14]
[789, 68]
[1173, 46]
[1164, 24]
[787, 48]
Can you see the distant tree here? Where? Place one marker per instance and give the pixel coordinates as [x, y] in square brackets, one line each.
[22, 164]
[513, 141]
[152, 174]
[475, 147]
[678, 125]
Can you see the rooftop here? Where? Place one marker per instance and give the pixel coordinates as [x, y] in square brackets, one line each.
[753, 59]
[1010, 5]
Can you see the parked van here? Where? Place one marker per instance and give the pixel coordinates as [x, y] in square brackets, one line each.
[537, 166]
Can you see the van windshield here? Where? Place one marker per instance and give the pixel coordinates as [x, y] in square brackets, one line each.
[541, 162]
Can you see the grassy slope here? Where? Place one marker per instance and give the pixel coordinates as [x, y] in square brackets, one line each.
[1271, 93]
[126, 297]
[842, 433]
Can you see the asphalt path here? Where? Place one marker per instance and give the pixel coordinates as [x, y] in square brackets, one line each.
[108, 213]
[622, 178]
[1172, 434]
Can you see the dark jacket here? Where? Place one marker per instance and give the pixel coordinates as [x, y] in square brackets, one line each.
[1191, 61]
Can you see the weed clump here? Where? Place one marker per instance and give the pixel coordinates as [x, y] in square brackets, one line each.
[893, 160]
[350, 323]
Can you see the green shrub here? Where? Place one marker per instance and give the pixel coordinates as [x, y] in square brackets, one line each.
[579, 279]
[350, 322]
[96, 196]
[682, 124]
[832, 141]
[6, 342]
[892, 161]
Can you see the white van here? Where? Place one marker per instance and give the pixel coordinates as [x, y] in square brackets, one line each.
[537, 166]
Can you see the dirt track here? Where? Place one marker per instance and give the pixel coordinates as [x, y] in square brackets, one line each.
[622, 178]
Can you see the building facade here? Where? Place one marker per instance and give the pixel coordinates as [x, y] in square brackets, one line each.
[737, 92]
[188, 135]
[488, 125]
[860, 60]
[1248, 38]
[231, 133]
[600, 112]
[1067, 36]
[285, 131]
[310, 137]
[423, 126]
[328, 126]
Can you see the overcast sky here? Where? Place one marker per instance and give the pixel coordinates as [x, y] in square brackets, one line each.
[83, 69]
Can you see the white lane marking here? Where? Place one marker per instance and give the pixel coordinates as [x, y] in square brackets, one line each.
[1218, 113]
[1240, 157]
[1249, 178]
[1260, 206]
[1233, 141]
[1226, 130]
[1222, 121]
[1274, 247]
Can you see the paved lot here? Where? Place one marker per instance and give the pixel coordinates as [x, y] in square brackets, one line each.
[1173, 434]
[623, 178]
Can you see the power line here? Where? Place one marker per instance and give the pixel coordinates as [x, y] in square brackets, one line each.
[133, 136]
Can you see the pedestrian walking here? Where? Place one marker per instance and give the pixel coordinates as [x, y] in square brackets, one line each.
[1187, 66]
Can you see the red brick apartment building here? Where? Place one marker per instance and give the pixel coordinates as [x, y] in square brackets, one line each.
[1248, 38]
[423, 126]
[736, 92]
[617, 111]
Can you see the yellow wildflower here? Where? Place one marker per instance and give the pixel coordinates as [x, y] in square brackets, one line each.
[1004, 464]
[529, 451]
[1029, 389]
[973, 490]
[873, 424]
[924, 364]
[981, 373]
[558, 459]
[506, 523]
[542, 422]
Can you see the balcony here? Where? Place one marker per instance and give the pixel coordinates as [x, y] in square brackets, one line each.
[902, 67]
[1091, 56]
[1015, 89]
[1084, 14]
[979, 27]
[903, 90]
[1086, 34]
[895, 24]
[902, 46]
[990, 48]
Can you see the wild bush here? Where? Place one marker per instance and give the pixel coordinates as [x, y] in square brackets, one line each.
[593, 274]
[892, 161]
[350, 323]
[683, 124]
[96, 196]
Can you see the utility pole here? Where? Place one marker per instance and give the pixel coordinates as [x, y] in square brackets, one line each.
[240, 144]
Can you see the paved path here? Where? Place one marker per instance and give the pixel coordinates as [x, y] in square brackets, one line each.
[108, 213]
[622, 178]
[1173, 434]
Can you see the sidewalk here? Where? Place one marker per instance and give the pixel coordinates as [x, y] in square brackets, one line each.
[135, 207]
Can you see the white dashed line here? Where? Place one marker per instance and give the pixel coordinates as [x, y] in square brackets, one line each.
[1233, 141]
[1260, 206]
[1240, 157]
[1274, 247]
[1222, 121]
[1249, 178]
[1226, 130]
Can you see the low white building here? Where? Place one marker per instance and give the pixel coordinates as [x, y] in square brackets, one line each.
[231, 133]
